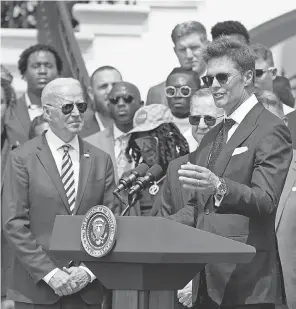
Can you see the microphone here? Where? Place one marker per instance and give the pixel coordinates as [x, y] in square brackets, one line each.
[153, 174]
[127, 181]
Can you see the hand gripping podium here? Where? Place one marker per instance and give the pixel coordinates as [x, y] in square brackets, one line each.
[150, 254]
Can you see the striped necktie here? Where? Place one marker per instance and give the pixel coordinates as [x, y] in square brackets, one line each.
[67, 175]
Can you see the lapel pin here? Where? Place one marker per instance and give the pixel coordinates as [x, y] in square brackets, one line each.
[86, 155]
[294, 189]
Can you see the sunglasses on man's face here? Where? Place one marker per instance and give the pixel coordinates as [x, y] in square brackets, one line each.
[222, 78]
[260, 72]
[210, 121]
[126, 98]
[183, 91]
[68, 107]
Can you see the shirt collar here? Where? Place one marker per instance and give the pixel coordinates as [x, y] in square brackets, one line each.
[29, 103]
[240, 113]
[56, 143]
[117, 133]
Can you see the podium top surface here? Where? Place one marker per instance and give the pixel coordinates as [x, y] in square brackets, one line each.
[151, 240]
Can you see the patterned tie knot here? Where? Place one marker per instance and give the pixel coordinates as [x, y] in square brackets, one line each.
[66, 148]
[228, 123]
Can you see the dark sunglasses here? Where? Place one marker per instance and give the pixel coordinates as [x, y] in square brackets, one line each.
[68, 107]
[184, 91]
[222, 78]
[210, 121]
[260, 72]
[126, 98]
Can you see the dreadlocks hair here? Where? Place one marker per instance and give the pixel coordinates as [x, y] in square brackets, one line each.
[23, 61]
[171, 145]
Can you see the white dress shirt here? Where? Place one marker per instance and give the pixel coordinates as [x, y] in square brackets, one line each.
[33, 109]
[55, 145]
[238, 116]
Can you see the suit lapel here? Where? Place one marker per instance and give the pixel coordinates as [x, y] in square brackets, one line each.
[290, 182]
[21, 112]
[85, 164]
[49, 164]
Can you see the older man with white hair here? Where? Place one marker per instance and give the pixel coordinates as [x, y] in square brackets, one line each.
[54, 174]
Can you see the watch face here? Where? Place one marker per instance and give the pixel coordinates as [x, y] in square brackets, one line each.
[222, 187]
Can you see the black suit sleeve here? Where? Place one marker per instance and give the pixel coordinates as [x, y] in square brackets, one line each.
[271, 165]
[16, 220]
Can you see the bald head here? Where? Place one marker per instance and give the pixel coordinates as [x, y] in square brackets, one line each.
[60, 87]
[125, 88]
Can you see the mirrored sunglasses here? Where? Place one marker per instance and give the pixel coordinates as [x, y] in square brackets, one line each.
[260, 72]
[222, 78]
[126, 98]
[183, 91]
[68, 107]
[210, 121]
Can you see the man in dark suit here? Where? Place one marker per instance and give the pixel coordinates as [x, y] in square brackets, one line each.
[54, 174]
[189, 38]
[39, 64]
[236, 180]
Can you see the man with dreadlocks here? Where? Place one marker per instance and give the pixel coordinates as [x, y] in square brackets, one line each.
[155, 139]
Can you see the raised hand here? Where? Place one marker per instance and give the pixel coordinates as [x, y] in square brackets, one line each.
[62, 284]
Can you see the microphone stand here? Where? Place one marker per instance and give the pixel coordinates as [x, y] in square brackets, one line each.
[128, 205]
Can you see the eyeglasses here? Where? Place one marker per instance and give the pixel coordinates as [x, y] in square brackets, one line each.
[126, 98]
[183, 91]
[260, 72]
[210, 121]
[222, 78]
[68, 107]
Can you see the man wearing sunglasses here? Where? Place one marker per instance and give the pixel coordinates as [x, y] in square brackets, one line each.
[181, 84]
[54, 174]
[265, 72]
[236, 180]
[124, 101]
[189, 38]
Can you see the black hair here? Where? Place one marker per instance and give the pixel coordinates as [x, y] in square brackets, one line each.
[171, 145]
[37, 121]
[230, 27]
[191, 73]
[23, 61]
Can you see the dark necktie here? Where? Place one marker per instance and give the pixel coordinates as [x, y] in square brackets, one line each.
[220, 142]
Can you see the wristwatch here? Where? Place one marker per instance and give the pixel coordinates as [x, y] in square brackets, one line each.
[221, 188]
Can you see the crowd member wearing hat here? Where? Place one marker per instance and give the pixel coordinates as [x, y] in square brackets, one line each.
[7, 99]
[124, 101]
[155, 139]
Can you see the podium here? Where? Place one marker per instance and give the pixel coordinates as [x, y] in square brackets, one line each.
[150, 254]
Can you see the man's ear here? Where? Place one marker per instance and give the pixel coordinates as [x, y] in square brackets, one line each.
[46, 113]
[273, 72]
[90, 93]
[249, 78]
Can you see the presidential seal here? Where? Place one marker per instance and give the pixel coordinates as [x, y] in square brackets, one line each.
[98, 231]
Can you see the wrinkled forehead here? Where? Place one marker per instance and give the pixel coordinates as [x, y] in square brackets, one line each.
[71, 92]
[180, 79]
[205, 105]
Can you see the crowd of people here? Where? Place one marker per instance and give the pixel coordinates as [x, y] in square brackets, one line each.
[222, 126]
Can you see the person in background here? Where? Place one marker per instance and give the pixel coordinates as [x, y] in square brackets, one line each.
[124, 100]
[189, 39]
[8, 99]
[181, 84]
[282, 88]
[38, 126]
[155, 139]
[265, 71]
[39, 64]
[101, 83]
[40, 182]
[231, 28]
[204, 115]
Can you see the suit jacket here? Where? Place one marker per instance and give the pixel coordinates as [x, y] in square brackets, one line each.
[255, 179]
[156, 95]
[104, 140]
[33, 195]
[292, 127]
[17, 122]
[285, 226]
